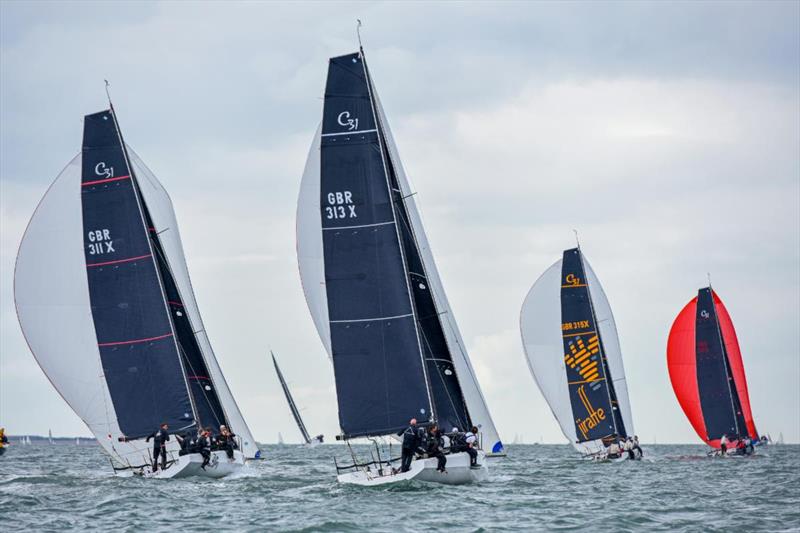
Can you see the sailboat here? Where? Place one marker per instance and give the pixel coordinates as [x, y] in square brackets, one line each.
[49, 431]
[293, 407]
[570, 340]
[370, 280]
[707, 373]
[280, 439]
[117, 330]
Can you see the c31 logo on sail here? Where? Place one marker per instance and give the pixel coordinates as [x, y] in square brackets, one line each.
[704, 314]
[102, 170]
[572, 280]
[345, 120]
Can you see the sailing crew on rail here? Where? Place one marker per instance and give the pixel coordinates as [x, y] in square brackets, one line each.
[435, 448]
[411, 442]
[226, 441]
[472, 446]
[160, 438]
[636, 446]
[723, 444]
[204, 442]
[613, 451]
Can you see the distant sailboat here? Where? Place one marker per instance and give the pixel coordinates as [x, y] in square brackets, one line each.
[118, 331]
[707, 373]
[280, 439]
[77, 441]
[293, 407]
[49, 437]
[372, 286]
[572, 348]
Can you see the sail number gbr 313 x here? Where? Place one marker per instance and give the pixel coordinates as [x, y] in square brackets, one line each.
[340, 205]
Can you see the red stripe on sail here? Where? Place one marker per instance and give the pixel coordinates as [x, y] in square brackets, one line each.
[736, 364]
[118, 261]
[107, 180]
[682, 365]
[134, 341]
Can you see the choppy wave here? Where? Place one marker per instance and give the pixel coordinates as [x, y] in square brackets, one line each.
[546, 488]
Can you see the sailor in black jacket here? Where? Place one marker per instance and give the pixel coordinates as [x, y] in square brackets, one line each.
[412, 440]
[160, 439]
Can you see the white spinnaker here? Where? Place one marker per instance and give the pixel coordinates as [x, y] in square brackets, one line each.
[162, 213]
[540, 326]
[473, 396]
[51, 293]
[310, 255]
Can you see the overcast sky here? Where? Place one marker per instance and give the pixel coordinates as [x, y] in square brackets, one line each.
[666, 133]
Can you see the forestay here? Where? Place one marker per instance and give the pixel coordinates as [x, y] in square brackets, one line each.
[565, 308]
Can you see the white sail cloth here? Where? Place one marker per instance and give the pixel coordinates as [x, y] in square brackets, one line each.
[51, 293]
[540, 326]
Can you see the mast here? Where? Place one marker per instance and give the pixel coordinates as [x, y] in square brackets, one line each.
[292, 405]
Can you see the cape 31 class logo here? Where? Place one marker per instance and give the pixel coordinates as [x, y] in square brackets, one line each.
[102, 170]
[705, 314]
[345, 120]
[572, 280]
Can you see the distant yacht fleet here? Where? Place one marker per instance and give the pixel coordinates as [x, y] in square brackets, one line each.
[141, 372]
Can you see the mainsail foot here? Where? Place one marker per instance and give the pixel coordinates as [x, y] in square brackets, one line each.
[458, 472]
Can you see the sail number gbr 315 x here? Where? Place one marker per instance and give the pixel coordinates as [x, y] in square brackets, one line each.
[340, 205]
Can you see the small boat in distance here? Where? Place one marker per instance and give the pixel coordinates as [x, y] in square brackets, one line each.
[374, 292]
[293, 407]
[572, 348]
[707, 374]
[118, 331]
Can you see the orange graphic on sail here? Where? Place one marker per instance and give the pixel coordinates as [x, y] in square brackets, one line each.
[579, 358]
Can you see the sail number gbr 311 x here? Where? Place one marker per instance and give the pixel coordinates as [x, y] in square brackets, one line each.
[340, 205]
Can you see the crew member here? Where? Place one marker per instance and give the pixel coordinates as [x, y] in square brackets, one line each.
[628, 447]
[204, 445]
[723, 444]
[160, 439]
[637, 447]
[472, 446]
[227, 441]
[613, 450]
[435, 445]
[411, 441]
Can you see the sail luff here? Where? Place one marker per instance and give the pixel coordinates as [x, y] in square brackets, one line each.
[292, 406]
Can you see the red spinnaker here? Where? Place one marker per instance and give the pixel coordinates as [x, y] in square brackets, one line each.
[682, 364]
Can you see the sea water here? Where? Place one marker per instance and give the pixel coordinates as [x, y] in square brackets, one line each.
[537, 487]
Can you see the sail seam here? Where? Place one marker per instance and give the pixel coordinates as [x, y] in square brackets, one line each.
[348, 133]
[361, 226]
[371, 319]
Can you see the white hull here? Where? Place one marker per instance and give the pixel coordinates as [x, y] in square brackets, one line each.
[189, 465]
[458, 472]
